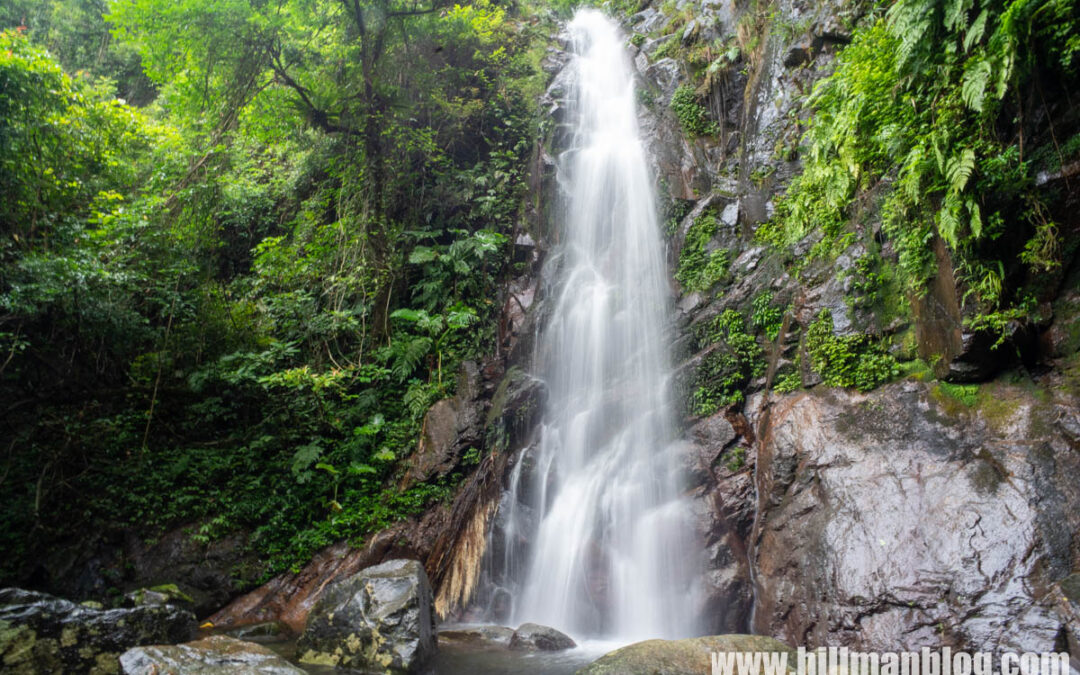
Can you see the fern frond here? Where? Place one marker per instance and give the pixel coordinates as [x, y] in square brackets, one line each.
[949, 221]
[975, 32]
[976, 77]
[976, 217]
[956, 14]
[959, 171]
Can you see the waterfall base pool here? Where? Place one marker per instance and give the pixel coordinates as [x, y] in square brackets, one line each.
[486, 659]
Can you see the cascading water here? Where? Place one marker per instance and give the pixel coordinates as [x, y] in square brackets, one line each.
[609, 552]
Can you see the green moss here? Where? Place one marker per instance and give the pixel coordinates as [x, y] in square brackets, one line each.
[968, 394]
[917, 369]
[173, 591]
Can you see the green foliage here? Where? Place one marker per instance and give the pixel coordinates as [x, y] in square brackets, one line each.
[692, 115]
[918, 119]
[736, 458]
[698, 269]
[234, 305]
[767, 317]
[867, 280]
[734, 359]
[674, 214]
[849, 361]
[788, 382]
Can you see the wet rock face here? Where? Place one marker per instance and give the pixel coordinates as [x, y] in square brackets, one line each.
[451, 427]
[904, 518]
[534, 637]
[381, 619]
[216, 655]
[680, 657]
[722, 505]
[40, 633]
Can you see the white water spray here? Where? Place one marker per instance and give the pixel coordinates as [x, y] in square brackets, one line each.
[611, 554]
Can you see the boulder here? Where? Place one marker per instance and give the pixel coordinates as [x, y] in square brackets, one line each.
[40, 633]
[381, 619]
[680, 657]
[215, 655]
[536, 638]
[164, 594]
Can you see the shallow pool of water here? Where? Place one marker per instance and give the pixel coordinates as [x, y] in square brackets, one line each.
[457, 659]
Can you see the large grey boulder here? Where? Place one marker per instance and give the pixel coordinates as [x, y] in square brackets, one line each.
[534, 637]
[680, 657]
[381, 620]
[914, 515]
[40, 633]
[215, 655]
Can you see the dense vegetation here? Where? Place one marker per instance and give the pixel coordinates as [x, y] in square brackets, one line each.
[939, 117]
[243, 247]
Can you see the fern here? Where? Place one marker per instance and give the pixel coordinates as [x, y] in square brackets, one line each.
[959, 170]
[914, 107]
[975, 31]
[976, 78]
[406, 354]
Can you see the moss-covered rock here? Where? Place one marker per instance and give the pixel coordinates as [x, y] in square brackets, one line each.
[40, 633]
[379, 620]
[680, 657]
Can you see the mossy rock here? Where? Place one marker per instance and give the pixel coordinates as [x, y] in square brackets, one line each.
[692, 656]
[43, 634]
[380, 620]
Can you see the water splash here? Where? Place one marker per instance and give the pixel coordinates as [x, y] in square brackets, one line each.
[609, 546]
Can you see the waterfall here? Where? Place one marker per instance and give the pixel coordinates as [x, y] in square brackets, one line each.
[609, 552]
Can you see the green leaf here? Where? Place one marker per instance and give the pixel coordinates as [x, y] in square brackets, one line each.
[406, 314]
[422, 254]
[976, 217]
[328, 468]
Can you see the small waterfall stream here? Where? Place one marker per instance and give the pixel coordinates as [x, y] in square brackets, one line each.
[609, 552]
